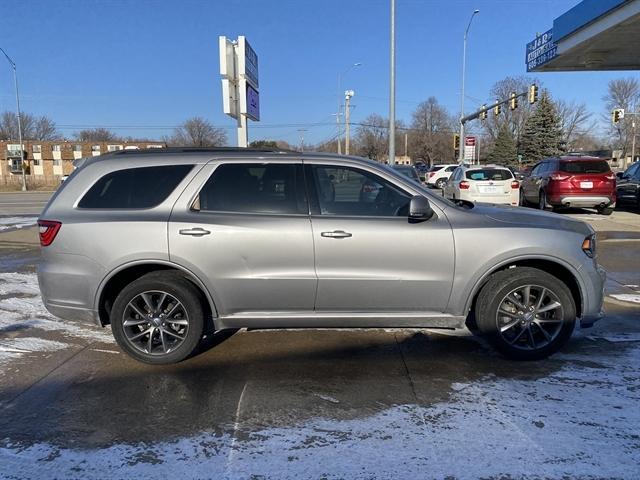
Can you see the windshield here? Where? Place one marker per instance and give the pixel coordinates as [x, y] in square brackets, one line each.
[408, 172]
[585, 166]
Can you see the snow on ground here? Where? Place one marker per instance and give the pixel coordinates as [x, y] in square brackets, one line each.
[580, 422]
[21, 309]
[627, 297]
[12, 223]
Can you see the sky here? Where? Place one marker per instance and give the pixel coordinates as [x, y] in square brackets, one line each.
[142, 67]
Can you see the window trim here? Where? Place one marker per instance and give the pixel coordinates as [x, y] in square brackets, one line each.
[314, 201]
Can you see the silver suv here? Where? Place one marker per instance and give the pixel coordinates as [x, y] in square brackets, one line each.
[170, 245]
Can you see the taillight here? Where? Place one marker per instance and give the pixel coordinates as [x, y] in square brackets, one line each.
[48, 231]
[559, 176]
[464, 185]
[610, 176]
[431, 174]
[515, 184]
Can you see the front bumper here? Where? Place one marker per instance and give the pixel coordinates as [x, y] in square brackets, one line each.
[67, 312]
[593, 296]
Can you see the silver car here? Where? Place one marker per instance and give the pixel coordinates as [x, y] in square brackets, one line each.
[170, 245]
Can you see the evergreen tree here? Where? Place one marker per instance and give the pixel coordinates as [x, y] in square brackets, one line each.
[542, 135]
[504, 151]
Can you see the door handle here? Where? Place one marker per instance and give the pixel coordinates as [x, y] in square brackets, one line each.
[194, 232]
[336, 234]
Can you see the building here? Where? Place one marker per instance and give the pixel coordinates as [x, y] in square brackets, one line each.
[46, 162]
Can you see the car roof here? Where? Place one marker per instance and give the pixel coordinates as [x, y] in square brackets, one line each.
[582, 158]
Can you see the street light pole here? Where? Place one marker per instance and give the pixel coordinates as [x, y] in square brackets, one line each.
[392, 88]
[464, 61]
[15, 80]
[347, 119]
[340, 93]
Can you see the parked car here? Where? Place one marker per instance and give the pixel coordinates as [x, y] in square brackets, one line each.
[170, 245]
[408, 171]
[488, 183]
[571, 181]
[628, 187]
[438, 175]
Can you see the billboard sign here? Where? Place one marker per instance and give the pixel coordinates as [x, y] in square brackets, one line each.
[248, 62]
[253, 103]
[469, 141]
[540, 51]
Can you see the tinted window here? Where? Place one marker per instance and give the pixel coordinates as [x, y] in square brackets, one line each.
[347, 191]
[143, 187]
[435, 168]
[255, 188]
[489, 174]
[585, 166]
[451, 169]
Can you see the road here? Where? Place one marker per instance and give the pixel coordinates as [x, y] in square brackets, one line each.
[22, 203]
[320, 404]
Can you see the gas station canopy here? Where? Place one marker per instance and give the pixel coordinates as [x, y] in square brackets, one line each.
[593, 35]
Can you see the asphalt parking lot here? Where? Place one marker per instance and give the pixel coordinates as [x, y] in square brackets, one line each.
[308, 404]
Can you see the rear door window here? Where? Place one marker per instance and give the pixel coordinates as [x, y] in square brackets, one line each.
[276, 188]
[143, 187]
[585, 166]
[495, 174]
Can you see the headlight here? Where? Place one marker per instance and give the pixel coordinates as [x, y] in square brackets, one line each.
[589, 245]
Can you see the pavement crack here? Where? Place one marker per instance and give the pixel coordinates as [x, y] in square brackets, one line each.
[406, 369]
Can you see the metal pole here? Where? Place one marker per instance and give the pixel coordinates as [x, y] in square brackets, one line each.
[347, 119]
[633, 142]
[392, 88]
[302, 130]
[15, 79]
[243, 139]
[405, 145]
[338, 114]
[464, 62]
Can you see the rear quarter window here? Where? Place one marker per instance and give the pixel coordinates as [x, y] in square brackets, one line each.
[143, 187]
[585, 166]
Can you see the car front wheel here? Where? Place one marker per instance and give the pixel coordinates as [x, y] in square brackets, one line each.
[526, 313]
[440, 183]
[158, 318]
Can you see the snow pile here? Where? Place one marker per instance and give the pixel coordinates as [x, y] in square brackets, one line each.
[13, 223]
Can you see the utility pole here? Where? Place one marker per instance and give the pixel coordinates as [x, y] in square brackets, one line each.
[347, 118]
[302, 130]
[464, 62]
[392, 88]
[340, 75]
[15, 80]
[405, 145]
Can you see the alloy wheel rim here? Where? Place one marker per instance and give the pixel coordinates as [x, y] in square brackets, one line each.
[155, 322]
[529, 317]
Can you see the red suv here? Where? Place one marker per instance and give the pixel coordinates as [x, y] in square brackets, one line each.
[571, 181]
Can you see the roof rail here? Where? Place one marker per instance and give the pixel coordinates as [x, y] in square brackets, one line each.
[198, 150]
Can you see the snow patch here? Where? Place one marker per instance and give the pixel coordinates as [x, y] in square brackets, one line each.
[13, 348]
[12, 223]
[627, 297]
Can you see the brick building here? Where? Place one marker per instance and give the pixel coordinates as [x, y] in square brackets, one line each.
[47, 162]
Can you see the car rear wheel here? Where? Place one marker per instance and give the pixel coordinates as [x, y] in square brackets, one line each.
[526, 313]
[158, 318]
[542, 201]
[605, 210]
[440, 183]
[523, 200]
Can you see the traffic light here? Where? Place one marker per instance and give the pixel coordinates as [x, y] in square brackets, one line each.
[617, 114]
[483, 112]
[497, 109]
[533, 93]
[456, 145]
[513, 101]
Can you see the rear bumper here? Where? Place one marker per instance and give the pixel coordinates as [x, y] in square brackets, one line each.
[586, 201]
[511, 198]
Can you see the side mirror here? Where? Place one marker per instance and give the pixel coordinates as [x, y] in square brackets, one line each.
[419, 209]
[620, 175]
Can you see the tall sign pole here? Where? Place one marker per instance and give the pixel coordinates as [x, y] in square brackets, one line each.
[240, 85]
[392, 88]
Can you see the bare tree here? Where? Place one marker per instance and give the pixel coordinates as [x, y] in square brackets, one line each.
[96, 135]
[372, 137]
[574, 121]
[33, 128]
[431, 137]
[513, 119]
[197, 132]
[622, 93]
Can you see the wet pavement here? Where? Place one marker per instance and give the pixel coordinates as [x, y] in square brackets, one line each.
[320, 403]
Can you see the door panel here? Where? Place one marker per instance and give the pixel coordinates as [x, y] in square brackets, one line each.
[250, 262]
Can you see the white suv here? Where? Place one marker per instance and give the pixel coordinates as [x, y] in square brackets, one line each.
[438, 175]
[487, 183]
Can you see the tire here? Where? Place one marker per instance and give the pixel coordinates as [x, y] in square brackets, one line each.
[542, 201]
[440, 183]
[176, 327]
[523, 333]
[605, 210]
[523, 200]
